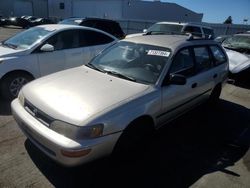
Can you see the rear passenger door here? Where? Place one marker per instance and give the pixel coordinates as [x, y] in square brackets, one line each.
[74, 53]
[86, 45]
[220, 64]
[204, 72]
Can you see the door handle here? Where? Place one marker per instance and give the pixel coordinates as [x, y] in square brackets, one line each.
[215, 75]
[194, 85]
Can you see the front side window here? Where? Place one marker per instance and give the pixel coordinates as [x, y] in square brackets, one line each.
[202, 58]
[28, 38]
[183, 63]
[137, 62]
[219, 56]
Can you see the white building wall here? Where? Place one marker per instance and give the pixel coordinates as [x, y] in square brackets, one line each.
[98, 8]
[123, 9]
[37, 8]
[158, 11]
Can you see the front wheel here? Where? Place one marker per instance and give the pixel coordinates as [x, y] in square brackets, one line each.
[133, 141]
[12, 84]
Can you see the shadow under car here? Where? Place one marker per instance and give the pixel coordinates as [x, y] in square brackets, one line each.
[203, 141]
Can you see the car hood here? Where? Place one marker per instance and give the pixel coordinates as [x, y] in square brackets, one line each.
[9, 52]
[77, 94]
[237, 61]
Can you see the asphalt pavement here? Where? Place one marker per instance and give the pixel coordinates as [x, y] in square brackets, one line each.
[207, 147]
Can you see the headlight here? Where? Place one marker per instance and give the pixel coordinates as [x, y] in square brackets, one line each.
[77, 132]
[21, 98]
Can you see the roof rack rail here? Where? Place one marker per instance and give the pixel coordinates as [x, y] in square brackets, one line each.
[192, 37]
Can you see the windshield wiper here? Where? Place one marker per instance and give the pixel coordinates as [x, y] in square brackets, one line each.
[120, 75]
[90, 65]
[9, 45]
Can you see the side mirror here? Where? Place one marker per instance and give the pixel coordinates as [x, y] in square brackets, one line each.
[144, 30]
[177, 79]
[47, 48]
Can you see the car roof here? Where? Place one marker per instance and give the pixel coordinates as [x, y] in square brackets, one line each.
[58, 26]
[186, 23]
[54, 27]
[170, 41]
[99, 19]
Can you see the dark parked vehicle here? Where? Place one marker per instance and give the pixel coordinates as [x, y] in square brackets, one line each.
[3, 21]
[41, 21]
[18, 21]
[71, 21]
[110, 26]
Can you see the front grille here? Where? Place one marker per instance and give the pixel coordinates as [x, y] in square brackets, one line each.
[38, 114]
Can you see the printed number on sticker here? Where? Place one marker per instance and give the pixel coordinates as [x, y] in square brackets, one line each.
[158, 53]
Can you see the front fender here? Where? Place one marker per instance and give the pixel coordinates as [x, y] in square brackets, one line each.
[24, 63]
[120, 117]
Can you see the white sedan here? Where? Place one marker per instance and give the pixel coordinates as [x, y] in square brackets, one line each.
[46, 49]
[238, 52]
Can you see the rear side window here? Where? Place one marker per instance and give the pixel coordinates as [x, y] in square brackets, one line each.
[202, 58]
[183, 63]
[219, 56]
[65, 40]
[92, 38]
[196, 31]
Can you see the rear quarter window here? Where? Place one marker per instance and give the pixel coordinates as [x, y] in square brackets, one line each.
[219, 56]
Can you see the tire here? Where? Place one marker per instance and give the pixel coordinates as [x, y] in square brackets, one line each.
[215, 95]
[12, 83]
[133, 141]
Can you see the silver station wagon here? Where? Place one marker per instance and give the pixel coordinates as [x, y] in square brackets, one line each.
[116, 101]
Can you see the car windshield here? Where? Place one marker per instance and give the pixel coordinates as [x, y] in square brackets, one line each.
[136, 62]
[26, 39]
[165, 28]
[237, 42]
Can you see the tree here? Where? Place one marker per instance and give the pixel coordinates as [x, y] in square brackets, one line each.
[228, 20]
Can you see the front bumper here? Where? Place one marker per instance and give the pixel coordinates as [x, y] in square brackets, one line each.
[54, 144]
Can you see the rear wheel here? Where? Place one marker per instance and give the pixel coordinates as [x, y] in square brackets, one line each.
[12, 84]
[134, 140]
[215, 95]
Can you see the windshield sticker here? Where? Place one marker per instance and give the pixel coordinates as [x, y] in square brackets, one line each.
[158, 53]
